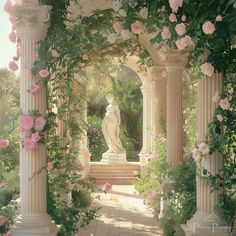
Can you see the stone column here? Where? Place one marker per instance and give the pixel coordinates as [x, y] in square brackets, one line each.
[32, 24]
[205, 222]
[175, 64]
[148, 91]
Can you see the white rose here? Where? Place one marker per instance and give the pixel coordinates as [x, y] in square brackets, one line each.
[122, 12]
[196, 155]
[203, 148]
[143, 13]
[220, 117]
[116, 5]
[126, 34]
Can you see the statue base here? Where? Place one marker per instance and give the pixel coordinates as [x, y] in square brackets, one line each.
[114, 158]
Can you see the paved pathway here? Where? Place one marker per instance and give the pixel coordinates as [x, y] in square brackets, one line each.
[123, 214]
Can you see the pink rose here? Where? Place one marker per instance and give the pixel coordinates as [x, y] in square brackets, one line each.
[203, 148]
[208, 27]
[4, 143]
[13, 66]
[33, 88]
[117, 27]
[8, 4]
[180, 29]
[43, 73]
[220, 117]
[29, 144]
[224, 104]
[39, 123]
[27, 122]
[184, 42]
[35, 137]
[207, 69]
[106, 187]
[55, 53]
[219, 18]
[13, 37]
[165, 34]
[2, 220]
[50, 166]
[137, 27]
[172, 17]
[175, 4]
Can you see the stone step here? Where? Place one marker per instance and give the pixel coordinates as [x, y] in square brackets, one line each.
[116, 180]
[95, 174]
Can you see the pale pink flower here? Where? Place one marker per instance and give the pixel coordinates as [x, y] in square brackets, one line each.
[122, 12]
[13, 66]
[125, 34]
[28, 74]
[39, 123]
[165, 34]
[183, 18]
[219, 18]
[172, 17]
[27, 122]
[207, 69]
[196, 155]
[55, 53]
[180, 29]
[137, 27]
[203, 148]
[106, 187]
[43, 73]
[9, 234]
[143, 13]
[18, 52]
[224, 104]
[208, 27]
[216, 97]
[117, 27]
[29, 144]
[8, 4]
[2, 220]
[184, 42]
[220, 117]
[13, 37]
[175, 4]
[50, 166]
[4, 143]
[35, 137]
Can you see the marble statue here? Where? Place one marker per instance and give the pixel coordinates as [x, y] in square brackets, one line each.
[110, 129]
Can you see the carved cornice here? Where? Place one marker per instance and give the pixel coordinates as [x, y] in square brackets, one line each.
[32, 17]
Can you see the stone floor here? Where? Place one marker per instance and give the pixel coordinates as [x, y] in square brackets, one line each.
[122, 214]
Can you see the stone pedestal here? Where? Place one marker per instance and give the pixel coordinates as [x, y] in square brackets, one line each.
[32, 24]
[113, 158]
[205, 222]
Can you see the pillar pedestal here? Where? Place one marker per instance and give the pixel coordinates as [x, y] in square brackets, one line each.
[32, 22]
[205, 222]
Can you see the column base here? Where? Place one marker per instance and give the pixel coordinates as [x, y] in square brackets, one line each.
[203, 224]
[113, 158]
[34, 226]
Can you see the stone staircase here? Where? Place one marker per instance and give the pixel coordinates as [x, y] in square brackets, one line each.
[120, 174]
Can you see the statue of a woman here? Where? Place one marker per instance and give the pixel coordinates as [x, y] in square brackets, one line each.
[110, 126]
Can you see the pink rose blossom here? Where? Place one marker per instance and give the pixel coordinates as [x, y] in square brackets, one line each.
[216, 97]
[50, 166]
[137, 27]
[180, 29]
[39, 123]
[13, 37]
[2, 220]
[4, 143]
[35, 137]
[208, 27]
[184, 42]
[106, 187]
[117, 27]
[55, 53]
[219, 18]
[175, 4]
[29, 144]
[13, 66]
[203, 148]
[165, 34]
[220, 117]
[33, 88]
[8, 4]
[207, 69]
[172, 17]
[43, 73]
[27, 122]
[224, 104]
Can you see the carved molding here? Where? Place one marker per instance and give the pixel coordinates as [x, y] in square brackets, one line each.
[159, 72]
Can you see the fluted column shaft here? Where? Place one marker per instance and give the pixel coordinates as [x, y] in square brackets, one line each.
[174, 114]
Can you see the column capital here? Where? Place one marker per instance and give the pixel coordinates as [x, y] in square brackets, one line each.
[30, 17]
[172, 58]
[158, 72]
